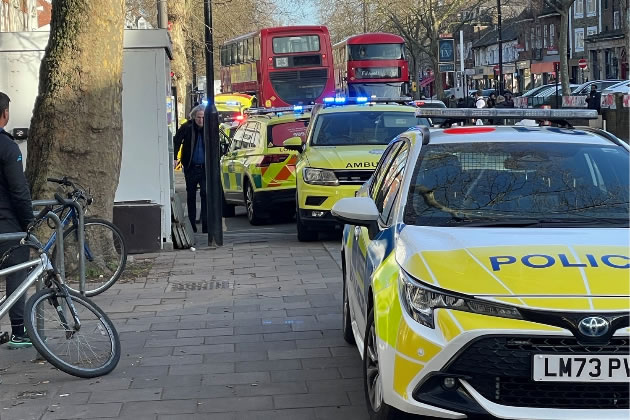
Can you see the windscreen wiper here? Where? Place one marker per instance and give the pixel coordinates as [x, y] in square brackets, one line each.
[551, 222]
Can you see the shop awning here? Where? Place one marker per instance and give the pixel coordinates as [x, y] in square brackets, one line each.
[546, 67]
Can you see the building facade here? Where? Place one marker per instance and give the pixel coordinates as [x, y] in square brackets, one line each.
[605, 39]
[24, 15]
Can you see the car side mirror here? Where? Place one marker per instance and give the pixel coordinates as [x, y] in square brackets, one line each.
[358, 211]
[294, 143]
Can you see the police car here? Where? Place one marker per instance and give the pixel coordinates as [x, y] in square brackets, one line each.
[485, 271]
[257, 171]
[345, 140]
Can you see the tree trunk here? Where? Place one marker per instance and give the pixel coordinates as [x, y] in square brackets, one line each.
[76, 129]
[563, 52]
[179, 64]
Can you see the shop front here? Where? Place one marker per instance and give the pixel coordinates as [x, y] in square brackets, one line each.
[524, 75]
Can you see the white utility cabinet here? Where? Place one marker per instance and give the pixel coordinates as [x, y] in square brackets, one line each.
[146, 175]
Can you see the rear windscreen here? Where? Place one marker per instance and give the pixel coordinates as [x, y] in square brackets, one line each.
[278, 133]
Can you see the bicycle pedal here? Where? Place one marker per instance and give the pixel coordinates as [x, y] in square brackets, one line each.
[4, 338]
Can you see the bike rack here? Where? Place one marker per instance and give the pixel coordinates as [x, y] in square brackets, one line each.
[80, 229]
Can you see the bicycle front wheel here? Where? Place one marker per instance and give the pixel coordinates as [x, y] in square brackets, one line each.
[87, 351]
[105, 256]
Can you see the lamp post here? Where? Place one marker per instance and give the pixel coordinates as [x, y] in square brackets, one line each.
[500, 47]
[214, 200]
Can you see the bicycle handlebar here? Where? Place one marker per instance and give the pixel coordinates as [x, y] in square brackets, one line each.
[62, 181]
[77, 193]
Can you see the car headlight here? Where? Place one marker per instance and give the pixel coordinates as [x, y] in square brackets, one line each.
[320, 177]
[420, 300]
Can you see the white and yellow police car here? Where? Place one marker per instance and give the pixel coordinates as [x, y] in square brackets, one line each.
[485, 271]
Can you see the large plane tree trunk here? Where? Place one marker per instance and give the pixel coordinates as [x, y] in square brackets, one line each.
[76, 129]
[179, 65]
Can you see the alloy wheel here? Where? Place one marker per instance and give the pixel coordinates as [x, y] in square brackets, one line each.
[375, 389]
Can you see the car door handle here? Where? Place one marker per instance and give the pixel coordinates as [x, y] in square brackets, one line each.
[357, 232]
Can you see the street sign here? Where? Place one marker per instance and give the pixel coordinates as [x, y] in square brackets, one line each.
[447, 67]
[446, 51]
[582, 63]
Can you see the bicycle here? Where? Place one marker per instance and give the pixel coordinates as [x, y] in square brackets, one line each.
[67, 329]
[104, 246]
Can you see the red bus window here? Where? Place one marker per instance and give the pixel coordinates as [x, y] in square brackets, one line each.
[377, 52]
[295, 44]
[278, 133]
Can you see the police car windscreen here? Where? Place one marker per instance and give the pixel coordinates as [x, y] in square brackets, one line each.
[278, 133]
[559, 183]
[362, 127]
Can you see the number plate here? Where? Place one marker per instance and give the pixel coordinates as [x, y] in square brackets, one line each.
[581, 368]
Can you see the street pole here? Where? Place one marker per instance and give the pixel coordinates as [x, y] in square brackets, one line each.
[500, 47]
[461, 64]
[364, 16]
[211, 141]
[557, 67]
[162, 14]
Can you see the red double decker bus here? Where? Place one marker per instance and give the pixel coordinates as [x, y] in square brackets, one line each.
[371, 64]
[283, 66]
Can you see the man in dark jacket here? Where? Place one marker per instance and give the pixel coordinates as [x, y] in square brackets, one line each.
[16, 212]
[190, 138]
[594, 99]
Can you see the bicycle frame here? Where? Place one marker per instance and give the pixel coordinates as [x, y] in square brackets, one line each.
[42, 264]
[70, 217]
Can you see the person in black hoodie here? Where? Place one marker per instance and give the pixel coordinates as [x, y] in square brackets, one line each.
[16, 213]
[190, 138]
[594, 99]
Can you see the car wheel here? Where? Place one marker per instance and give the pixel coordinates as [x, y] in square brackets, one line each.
[253, 212]
[228, 209]
[303, 233]
[372, 382]
[347, 318]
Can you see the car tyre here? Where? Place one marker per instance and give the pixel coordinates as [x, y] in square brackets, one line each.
[303, 233]
[253, 210]
[372, 384]
[348, 335]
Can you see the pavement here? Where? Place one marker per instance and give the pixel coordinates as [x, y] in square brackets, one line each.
[250, 330]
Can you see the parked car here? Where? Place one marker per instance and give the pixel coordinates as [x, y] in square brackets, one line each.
[431, 103]
[537, 90]
[548, 96]
[585, 88]
[621, 87]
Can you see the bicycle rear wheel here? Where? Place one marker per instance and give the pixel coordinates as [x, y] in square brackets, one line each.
[105, 256]
[92, 350]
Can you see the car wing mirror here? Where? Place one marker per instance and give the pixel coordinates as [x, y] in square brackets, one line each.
[358, 211]
[294, 143]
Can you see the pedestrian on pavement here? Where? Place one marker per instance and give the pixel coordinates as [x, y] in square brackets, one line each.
[190, 137]
[501, 103]
[492, 100]
[16, 212]
[509, 100]
[452, 102]
[594, 99]
[479, 101]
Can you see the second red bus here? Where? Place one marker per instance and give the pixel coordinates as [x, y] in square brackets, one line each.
[371, 64]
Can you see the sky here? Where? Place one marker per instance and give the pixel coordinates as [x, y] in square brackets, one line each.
[306, 14]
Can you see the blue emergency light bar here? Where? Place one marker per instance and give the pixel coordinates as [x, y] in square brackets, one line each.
[515, 113]
[296, 109]
[341, 100]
